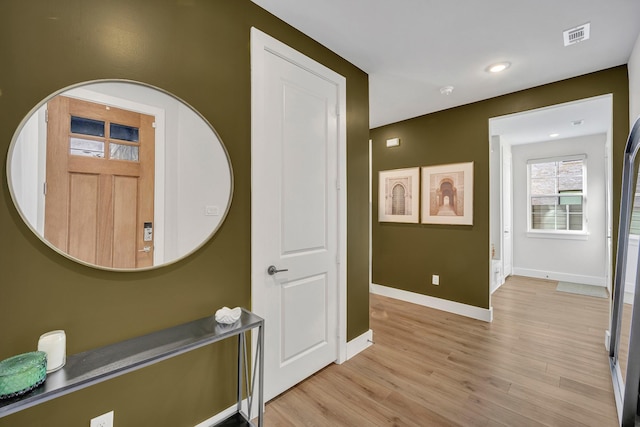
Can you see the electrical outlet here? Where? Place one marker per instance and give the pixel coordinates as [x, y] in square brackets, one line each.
[435, 280]
[104, 420]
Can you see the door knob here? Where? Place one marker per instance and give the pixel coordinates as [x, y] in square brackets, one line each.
[273, 270]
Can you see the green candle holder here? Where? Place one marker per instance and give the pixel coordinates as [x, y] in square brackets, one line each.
[22, 373]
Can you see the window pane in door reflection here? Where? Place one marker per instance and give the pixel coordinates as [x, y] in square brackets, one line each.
[84, 126]
[123, 152]
[123, 132]
[86, 147]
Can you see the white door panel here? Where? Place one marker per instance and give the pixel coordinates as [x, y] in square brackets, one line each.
[304, 319]
[304, 165]
[295, 217]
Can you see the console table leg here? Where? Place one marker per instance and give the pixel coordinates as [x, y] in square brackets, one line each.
[240, 362]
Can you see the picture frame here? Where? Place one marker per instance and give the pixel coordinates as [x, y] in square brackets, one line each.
[447, 194]
[399, 195]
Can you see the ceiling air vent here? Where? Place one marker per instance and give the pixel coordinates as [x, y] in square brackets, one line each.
[577, 34]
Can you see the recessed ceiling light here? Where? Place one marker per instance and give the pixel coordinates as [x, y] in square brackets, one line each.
[554, 135]
[500, 66]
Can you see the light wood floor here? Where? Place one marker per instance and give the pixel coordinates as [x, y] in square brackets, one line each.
[542, 362]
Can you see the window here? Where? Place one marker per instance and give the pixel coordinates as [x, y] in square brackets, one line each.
[557, 195]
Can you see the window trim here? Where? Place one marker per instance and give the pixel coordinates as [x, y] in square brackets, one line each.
[559, 234]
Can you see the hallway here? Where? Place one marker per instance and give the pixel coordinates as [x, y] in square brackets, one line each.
[542, 362]
[446, 210]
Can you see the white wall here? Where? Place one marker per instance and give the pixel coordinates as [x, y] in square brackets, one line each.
[26, 178]
[634, 82]
[574, 260]
[634, 112]
[201, 185]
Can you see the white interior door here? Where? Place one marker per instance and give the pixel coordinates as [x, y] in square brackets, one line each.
[295, 216]
[507, 232]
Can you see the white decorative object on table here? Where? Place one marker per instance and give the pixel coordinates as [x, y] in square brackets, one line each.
[228, 315]
[54, 343]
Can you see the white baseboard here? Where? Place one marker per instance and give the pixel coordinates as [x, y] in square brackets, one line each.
[563, 277]
[359, 344]
[466, 310]
[629, 297]
[222, 415]
[496, 286]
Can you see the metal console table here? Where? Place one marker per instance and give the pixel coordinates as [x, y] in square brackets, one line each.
[94, 366]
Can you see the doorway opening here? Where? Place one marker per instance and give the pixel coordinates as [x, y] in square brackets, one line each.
[550, 135]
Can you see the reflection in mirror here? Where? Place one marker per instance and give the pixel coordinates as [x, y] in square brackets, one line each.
[629, 285]
[624, 349]
[119, 175]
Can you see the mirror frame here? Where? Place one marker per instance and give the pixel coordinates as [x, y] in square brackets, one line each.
[83, 84]
[626, 394]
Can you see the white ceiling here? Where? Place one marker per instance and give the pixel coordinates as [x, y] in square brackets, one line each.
[412, 48]
[592, 116]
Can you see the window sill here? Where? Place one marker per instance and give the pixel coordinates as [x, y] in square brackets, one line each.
[579, 235]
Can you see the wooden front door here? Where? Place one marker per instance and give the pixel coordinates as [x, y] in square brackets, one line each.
[100, 183]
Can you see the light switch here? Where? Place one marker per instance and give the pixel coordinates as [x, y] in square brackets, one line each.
[211, 211]
[393, 142]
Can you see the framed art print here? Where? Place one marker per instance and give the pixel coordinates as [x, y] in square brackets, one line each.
[399, 195]
[447, 194]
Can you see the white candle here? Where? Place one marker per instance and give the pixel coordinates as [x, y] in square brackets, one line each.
[54, 343]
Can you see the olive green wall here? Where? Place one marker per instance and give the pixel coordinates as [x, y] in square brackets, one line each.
[406, 255]
[199, 51]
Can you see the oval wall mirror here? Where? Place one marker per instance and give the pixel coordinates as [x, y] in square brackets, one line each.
[119, 175]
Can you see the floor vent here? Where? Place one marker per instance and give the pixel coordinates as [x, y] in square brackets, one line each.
[577, 34]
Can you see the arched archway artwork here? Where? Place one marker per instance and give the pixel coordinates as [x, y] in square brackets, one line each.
[447, 194]
[446, 197]
[399, 195]
[399, 199]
